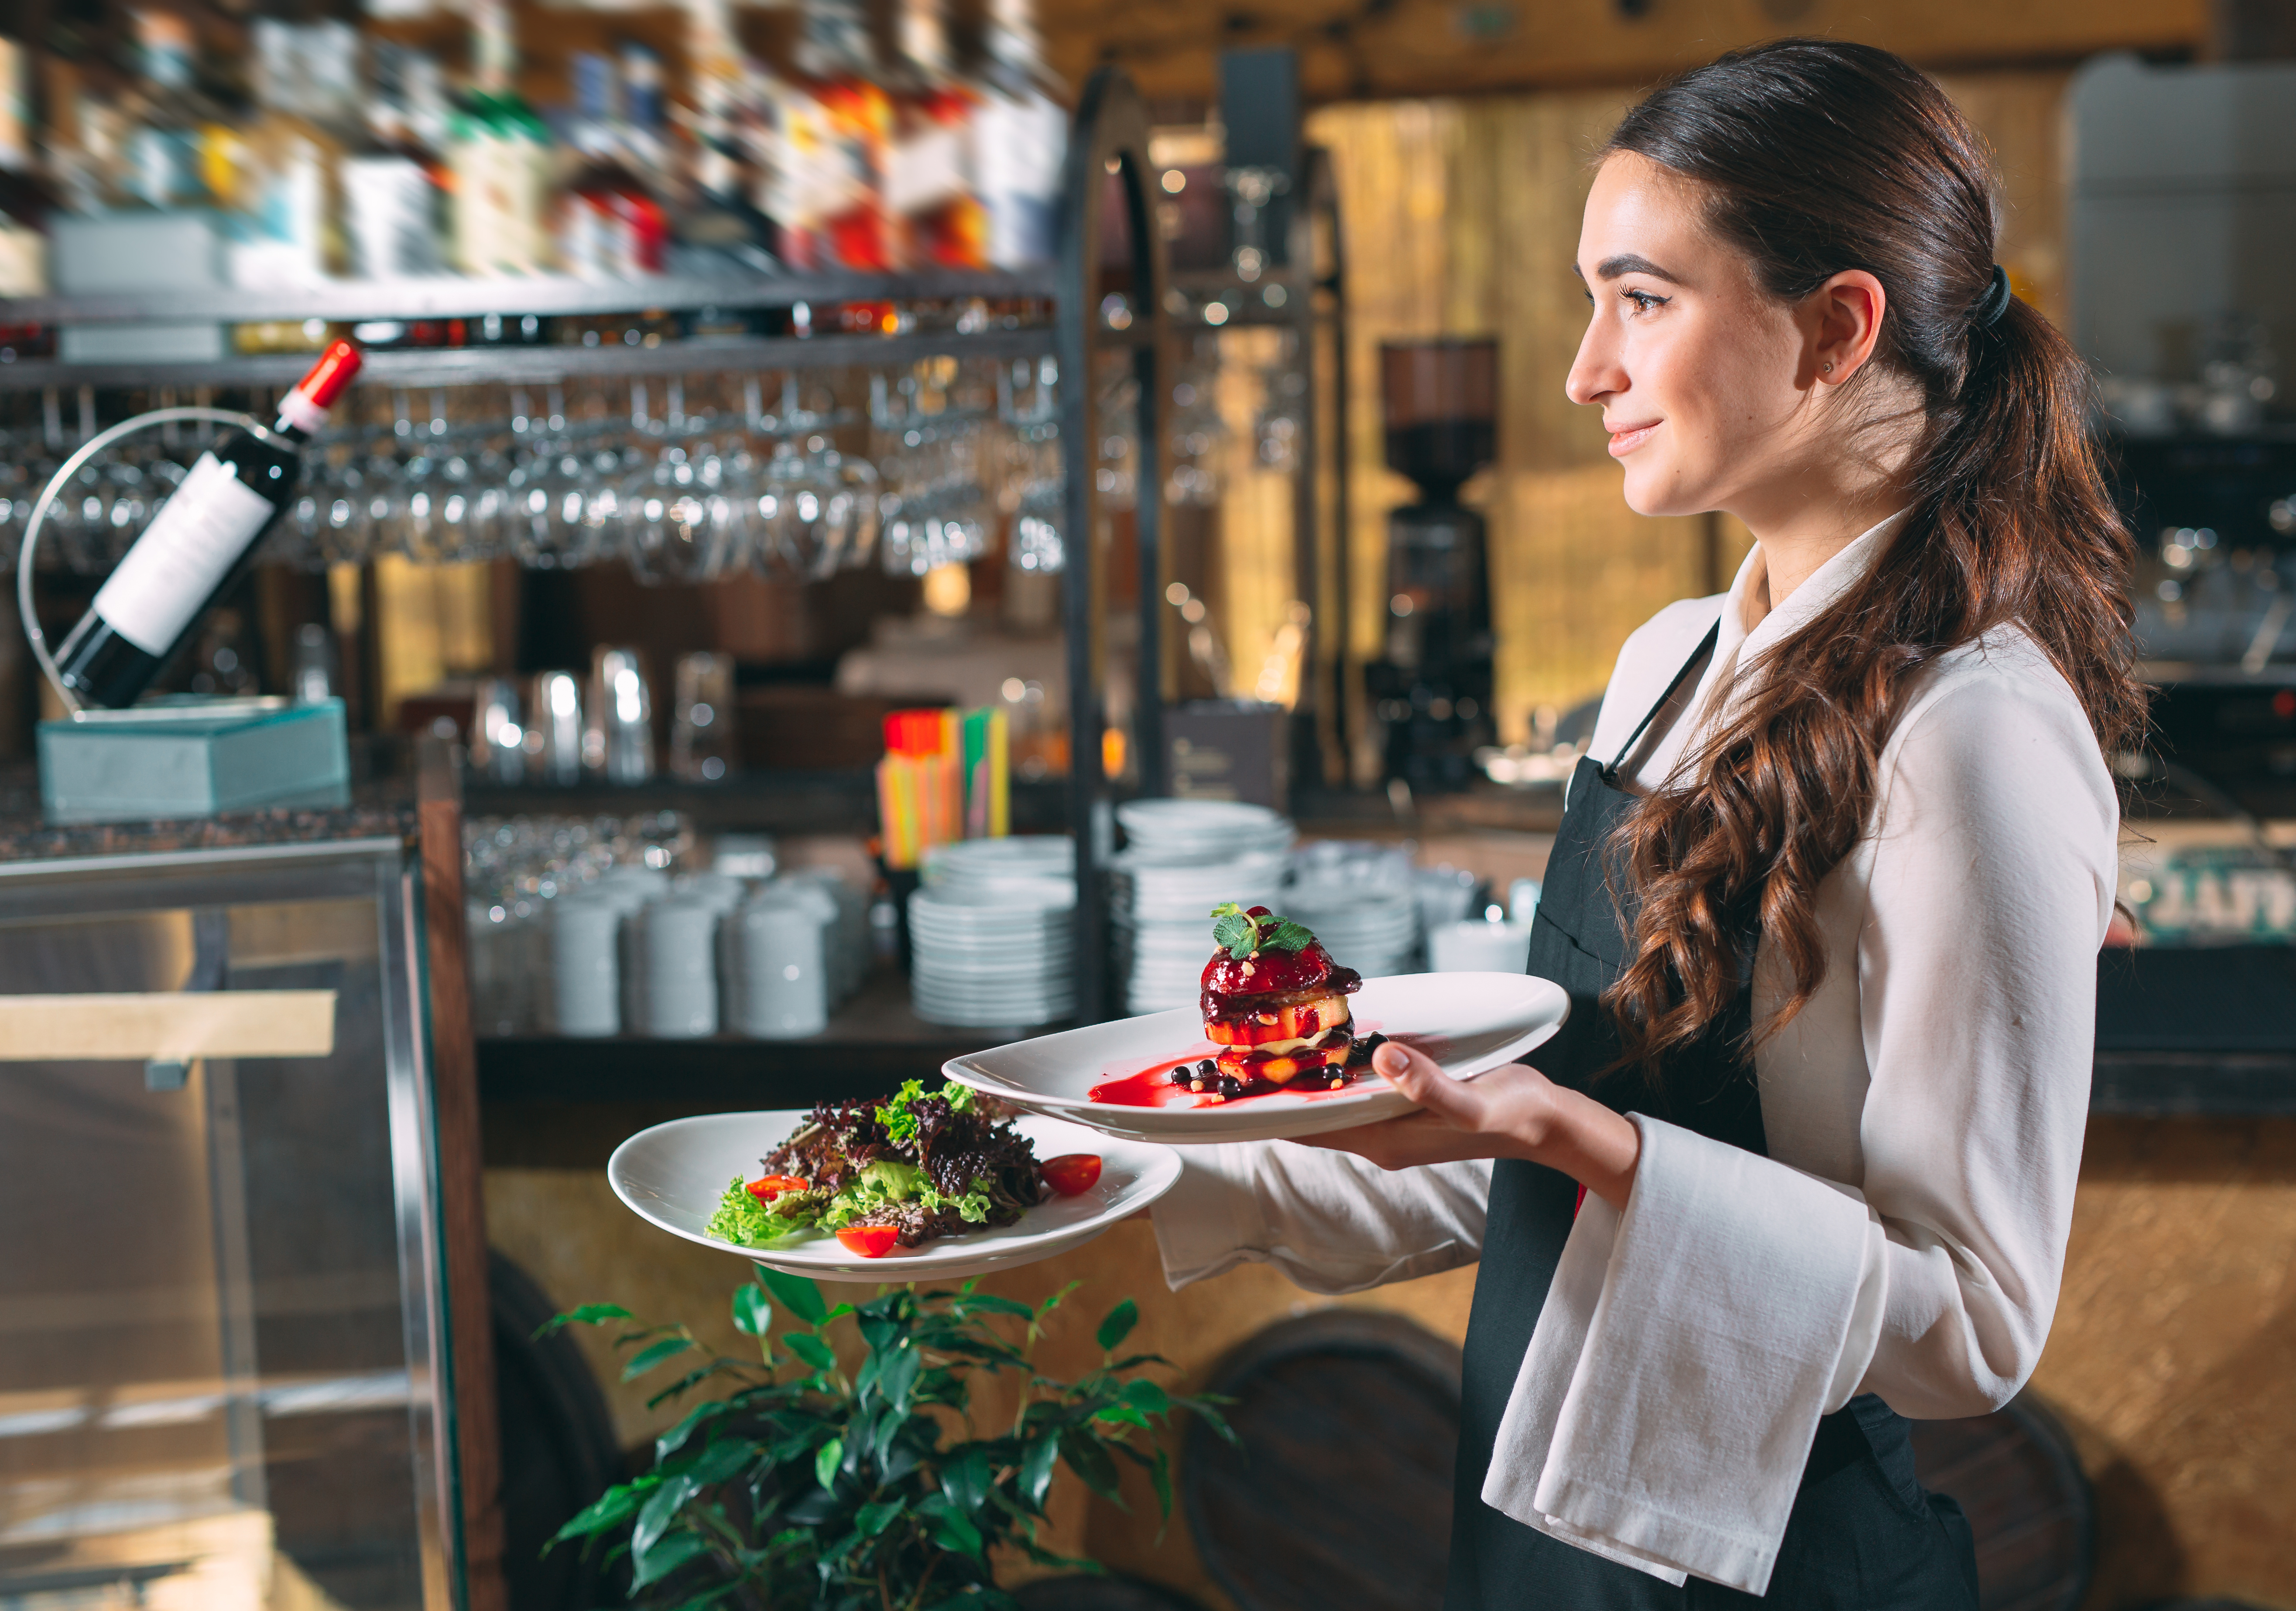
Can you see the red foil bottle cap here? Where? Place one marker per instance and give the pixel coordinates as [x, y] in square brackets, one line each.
[332, 375]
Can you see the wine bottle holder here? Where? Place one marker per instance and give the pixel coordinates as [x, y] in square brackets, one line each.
[27, 553]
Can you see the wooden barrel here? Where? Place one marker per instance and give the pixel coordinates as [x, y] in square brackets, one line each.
[1341, 1495]
[1088, 1592]
[558, 1448]
[2029, 1503]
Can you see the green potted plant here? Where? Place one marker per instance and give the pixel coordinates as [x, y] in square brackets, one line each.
[806, 1488]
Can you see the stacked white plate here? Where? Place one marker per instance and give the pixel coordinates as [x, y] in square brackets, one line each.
[1375, 932]
[990, 959]
[1184, 857]
[1193, 832]
[1027, 869]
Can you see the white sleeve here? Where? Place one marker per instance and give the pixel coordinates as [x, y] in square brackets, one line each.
[1671, 1388]
[1992, 885]
[1329, 1221]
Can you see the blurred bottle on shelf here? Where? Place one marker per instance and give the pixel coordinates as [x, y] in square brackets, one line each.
[608, 224]
[1019, 138]
[24, 202]
[395, 187]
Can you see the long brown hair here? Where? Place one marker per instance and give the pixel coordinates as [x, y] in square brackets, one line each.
[1815, 157]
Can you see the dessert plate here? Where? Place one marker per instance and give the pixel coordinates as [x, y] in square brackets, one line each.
[673, 1174]
[1101, 1074]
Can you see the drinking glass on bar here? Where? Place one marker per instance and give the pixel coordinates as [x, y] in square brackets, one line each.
[618, 741]
[702, 742]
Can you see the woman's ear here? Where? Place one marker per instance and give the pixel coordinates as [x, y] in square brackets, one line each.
[1841, 323]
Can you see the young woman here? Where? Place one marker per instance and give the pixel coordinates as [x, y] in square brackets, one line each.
[1826, 896]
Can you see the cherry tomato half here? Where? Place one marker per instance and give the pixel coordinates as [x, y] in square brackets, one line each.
[869, 1242]
[772, 1185]
[1072, 1174]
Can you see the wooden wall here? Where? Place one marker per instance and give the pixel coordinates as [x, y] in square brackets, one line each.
[1461, 217]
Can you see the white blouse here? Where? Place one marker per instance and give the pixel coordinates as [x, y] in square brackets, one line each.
[1924, 1113]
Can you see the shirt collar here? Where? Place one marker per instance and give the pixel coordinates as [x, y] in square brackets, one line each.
[1736, 650]
[1821, 588]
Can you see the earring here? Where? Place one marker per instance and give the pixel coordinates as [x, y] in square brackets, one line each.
[1829, 369]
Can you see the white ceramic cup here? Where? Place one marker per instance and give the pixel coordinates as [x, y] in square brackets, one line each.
[777, 958]
[1478, 946]
[586, 965]
[676, 963]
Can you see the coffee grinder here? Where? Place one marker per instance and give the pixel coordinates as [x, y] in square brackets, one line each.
[1432, 691]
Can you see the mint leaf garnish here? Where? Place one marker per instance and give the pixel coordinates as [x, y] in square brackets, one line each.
[1289, 936]
[1234, 931]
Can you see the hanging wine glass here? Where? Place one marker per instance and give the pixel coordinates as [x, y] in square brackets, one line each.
[673, 528]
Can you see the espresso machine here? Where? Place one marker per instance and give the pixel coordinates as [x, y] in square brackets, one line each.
[1431, 691]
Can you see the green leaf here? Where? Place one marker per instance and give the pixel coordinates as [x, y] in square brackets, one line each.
[646, 1358]
[954, 1532]
[678, 1388]
[872, 1519]
[659, 1512]
[1118, 1326]
[900, 1124]
[794, 1293]
[667, 1557]
[1036, 1471]
[670, 1442]
[1233, 931]
[989, 1302]
[1082, 1453]
[1148, 1396]
[1123, 1412]
[1213, 1419]
[1161, 1474]
[826, 1460]
[966, 1478]
[812, 1350]
[609, 1509]
[752, 1312]
[897, 1378]
[721, 1460]
[1289, 936]
[589, 1314]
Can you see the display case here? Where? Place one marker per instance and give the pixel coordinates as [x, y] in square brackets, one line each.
[232, 1370]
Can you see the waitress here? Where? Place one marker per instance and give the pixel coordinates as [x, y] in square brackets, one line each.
[1827, 897]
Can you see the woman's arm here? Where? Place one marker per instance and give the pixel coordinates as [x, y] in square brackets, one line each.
[1512, 1112]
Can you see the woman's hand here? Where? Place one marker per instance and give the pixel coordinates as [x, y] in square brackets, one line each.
[1512, 1112]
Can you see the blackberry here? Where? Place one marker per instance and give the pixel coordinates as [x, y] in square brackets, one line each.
[1229, 1085]
[1182, 1075]
[1207, 1068]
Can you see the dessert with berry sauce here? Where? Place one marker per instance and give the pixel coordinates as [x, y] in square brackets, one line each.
[1277, 1005]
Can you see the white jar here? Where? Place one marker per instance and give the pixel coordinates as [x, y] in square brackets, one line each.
[778, 968]
[675, 956]
[586, 965]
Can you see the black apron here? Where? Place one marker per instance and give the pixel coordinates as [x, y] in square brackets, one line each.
[1863, 1536]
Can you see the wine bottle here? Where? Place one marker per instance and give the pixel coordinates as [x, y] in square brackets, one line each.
[196, 544]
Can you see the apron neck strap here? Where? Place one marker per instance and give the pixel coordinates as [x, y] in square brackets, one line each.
[1697, 656]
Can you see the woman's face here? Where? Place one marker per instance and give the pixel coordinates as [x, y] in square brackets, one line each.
[1707, 385]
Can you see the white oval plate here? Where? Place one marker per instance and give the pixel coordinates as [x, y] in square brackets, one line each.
[673, 1174]
[1468, 1022]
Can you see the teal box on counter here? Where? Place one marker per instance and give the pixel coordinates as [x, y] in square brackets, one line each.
[193, 757]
